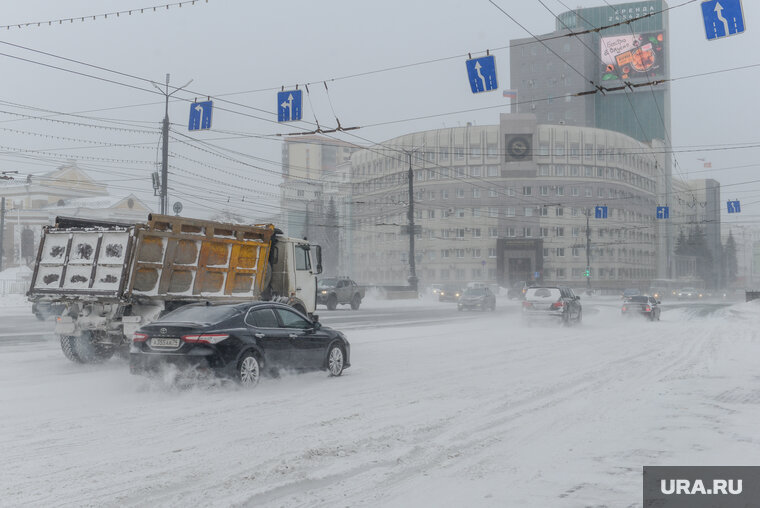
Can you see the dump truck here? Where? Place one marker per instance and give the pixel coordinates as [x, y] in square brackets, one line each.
[109, 278]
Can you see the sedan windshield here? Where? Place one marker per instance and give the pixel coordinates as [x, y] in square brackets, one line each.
[200, 314]
[328, 283]
[475, 292]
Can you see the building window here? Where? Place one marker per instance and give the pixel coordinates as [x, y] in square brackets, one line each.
[560, 231]
[560, 211]
[560, 252]
[576, 252]
[544, 211]
[476, 212]
[460, 234]
[528, 211]
[576, 232]
[493, 193]
[476, 233]
[510, 191]
[476, 253]
[559, 149]
[476, 192]
[560, 191]
[445, 194]
[510, 211]
[491, 252]
[511, 232]
[544, 232]
[544, 190]
[527, 232]
[493, 212]
[460, 213]
[493, 232]
[527, 191]
[460, 193]
[493, 170]
[300, 193]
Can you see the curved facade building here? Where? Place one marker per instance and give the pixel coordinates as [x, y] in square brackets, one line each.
[508, 202]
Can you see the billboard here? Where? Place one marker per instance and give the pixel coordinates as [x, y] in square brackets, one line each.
[635, 57]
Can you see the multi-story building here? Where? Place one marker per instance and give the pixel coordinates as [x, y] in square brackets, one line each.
[308, 163]
[613, 78]
[508, 202]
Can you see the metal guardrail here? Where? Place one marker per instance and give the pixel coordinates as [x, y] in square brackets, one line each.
[13, 287]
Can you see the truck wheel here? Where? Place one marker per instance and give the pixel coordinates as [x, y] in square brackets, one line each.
[332, 302]
[89, 351]
[356, 302]
[67, 346]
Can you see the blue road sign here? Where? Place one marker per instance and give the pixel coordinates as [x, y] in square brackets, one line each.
[289, 106]
[722, 18]
[600, 212]
[200, 115]
[482, 74]
[663, 212]
[734, 206]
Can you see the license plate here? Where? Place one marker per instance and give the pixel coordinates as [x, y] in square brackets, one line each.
[157, 342]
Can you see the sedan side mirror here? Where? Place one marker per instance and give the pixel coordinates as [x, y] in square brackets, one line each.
[317, 326]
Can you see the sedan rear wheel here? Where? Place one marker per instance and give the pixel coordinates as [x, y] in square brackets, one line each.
[249, 370]
[335, 360]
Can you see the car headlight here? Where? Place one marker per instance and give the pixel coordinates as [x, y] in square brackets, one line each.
[324, 292]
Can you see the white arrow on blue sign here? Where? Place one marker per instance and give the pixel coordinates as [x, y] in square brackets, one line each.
[600, 212]
[200, 115]
[734, 206]
[289, 106]
[482, 74]
[722, 18]
[663, 212]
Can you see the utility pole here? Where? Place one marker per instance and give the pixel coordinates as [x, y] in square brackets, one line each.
[412, 267]
[588, 251]
[165, 142]
[2, 231]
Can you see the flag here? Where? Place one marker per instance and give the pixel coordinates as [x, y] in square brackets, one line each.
[510, 94]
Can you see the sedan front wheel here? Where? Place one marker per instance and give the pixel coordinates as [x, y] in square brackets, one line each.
[335, 360]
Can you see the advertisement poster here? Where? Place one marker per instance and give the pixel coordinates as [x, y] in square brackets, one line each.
[635, 57]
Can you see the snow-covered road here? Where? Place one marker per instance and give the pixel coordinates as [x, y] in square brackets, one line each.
[481, 412]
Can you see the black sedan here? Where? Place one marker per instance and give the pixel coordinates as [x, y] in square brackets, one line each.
[477, 298]
[642, 305]
[239, 341]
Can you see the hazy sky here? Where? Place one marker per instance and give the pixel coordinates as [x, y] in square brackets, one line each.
[239, 52]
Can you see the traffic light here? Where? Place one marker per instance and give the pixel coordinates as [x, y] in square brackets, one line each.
[587, 273]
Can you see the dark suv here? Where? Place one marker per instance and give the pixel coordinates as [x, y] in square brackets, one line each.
[553, 302]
